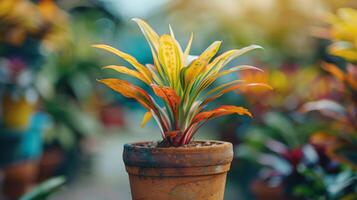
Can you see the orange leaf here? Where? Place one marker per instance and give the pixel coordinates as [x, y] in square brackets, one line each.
[130, 91]
[169, 95]
[125, 70]
[220, 111]
[335, 71]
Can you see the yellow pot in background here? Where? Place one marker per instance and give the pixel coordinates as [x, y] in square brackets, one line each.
[16, 112]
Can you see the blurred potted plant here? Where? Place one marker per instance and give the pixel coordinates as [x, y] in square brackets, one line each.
[65, 80]
[343, 107]
[26, 33]
[178, 167]
[294, 164]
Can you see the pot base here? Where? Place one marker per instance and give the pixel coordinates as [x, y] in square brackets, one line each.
[209, 187]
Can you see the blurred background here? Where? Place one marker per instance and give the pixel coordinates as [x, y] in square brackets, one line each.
[56, 120]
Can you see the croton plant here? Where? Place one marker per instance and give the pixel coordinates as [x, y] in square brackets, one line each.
[184, 85]
[343, 109]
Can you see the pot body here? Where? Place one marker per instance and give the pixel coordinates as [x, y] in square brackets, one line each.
[19, 178]
[182, 173]
[262, 191]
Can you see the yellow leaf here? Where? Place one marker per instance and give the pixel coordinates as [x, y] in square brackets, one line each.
[153, 39]
[146, 118]
[170, 57]
[218, 63]
[209, 79]
[198, 65]
[125, 70]
[171, 32]
[150, 35]
[235, 87]
[130, 59]
[187, 50]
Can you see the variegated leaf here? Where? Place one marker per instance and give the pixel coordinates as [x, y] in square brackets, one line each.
[150, 35]
[220, 111]
[168, 94]
[130, 91]
[130, 59]
[199, 64]
[233, 87]
[170, 57]
[125, 70]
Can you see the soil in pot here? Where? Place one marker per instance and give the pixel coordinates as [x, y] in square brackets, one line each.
[193, 172]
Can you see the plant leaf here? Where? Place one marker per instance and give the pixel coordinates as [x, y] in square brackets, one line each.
[45, 189]
[187, 50]
[220, 111]
[234, 87]
[218, 63]
[171, 32]
[198, 65]
[168, 94]
[130, 59]
[327, 107]
[146, 118]
[125, 70]
[335, 71]
[150, 35]
[237, 68]
[210, 79]
[130, 91]
[170, 57]
[153, 40]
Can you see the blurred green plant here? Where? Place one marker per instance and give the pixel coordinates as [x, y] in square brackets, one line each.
[65, 85]
[294, 158]
[45, 189]
[343, 110]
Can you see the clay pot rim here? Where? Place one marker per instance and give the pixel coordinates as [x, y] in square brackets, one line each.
[216, 144]
[176, 157]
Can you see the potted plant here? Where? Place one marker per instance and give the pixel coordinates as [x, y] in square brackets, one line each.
[25, 38]
[342, 107]
[178, 167]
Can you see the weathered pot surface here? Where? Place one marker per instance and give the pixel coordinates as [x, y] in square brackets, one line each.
[195, 172]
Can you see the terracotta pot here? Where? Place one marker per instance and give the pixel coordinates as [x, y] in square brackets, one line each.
[49, 163]
[178, 173]
[262, 191]
[19, 178]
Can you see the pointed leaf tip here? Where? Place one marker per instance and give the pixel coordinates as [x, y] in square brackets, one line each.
[135, 19]
[257, 46]
[146, 119]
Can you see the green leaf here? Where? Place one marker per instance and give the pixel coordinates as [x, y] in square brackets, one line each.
[45, 189]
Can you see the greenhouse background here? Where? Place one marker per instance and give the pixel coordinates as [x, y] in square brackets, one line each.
[59, 124]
